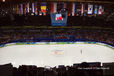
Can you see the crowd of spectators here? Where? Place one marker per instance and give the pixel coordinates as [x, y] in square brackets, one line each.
[82, 69]
[51, 35]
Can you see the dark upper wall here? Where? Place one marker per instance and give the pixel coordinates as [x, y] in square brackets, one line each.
[10, 2]
[16, 1]
[13, 2]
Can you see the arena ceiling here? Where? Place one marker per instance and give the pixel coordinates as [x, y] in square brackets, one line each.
[59, 0]
[8, 3]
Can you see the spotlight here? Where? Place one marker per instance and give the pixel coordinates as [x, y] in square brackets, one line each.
[3, 0]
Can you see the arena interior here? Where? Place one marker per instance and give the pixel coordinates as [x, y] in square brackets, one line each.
[56, 38]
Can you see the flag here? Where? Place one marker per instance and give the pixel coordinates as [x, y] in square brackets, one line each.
[90, 9]
[54, 7]
[64, 6]
[21, 9]
[101, 10]
[25, 9]
[28, 8]
[96, 9]
[70, 10]
[36, 9]
[33, 7]
[43, 7]
[17, 8]
[82, 9]
[74, 10]
[14, 9]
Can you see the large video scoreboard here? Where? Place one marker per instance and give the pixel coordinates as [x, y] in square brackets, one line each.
[59, 19]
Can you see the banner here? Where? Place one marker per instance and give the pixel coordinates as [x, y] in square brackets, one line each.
[101, 10]
[90, 9]
[14, 9]
[33, 7]
[96, 9]
[54, 7]
[21, 9]
[28, 8]
[36, 9]
[25, 9]
[64, 6]
[17, 8]
[43, 8]
[74, 10]
[82, 9]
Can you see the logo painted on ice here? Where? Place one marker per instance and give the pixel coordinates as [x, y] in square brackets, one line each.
[58, 52]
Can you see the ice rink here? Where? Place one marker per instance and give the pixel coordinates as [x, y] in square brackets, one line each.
[54, 55]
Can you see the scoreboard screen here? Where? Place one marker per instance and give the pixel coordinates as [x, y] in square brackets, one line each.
[59, 19]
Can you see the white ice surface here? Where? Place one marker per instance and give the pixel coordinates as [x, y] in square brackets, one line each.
[54, 55]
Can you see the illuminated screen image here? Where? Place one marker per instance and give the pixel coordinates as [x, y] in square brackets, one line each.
[59, 19]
